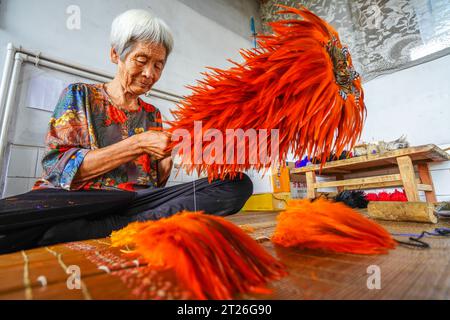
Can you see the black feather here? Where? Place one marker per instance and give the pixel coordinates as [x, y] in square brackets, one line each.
[354, 199]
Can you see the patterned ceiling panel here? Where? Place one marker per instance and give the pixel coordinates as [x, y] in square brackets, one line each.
[383, 35]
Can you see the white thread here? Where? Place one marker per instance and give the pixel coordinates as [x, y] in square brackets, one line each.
[195, 197]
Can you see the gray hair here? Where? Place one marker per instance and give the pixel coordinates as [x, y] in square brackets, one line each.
[139, 25]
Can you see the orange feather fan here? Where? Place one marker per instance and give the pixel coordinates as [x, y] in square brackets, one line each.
[212, 257]
[331, 226]
[300, 80]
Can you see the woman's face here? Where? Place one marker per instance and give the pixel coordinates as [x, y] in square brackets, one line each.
[142, 67]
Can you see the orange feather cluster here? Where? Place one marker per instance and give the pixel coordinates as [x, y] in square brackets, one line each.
[212, 257]
[300, 80]
[331, 226]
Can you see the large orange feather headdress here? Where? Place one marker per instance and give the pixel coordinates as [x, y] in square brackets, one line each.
[300, 81]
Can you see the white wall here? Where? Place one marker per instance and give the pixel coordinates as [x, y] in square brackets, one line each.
[206, 34]
[199, 39]
[415, 102]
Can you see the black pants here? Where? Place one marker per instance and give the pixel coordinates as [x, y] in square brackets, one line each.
[46, 217]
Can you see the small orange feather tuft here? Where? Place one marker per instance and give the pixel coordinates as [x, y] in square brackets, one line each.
[211, 256]
[330, 226]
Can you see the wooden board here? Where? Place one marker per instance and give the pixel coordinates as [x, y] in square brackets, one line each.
[402, 211]
[405, 273]
[425, 153]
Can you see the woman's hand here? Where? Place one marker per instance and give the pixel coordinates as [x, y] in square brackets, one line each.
[154, 143]
[164, 170]
[103, 160]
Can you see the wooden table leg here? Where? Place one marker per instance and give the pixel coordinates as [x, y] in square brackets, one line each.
[310, 181]
[339, 177]
[425, 178]
[406, 168]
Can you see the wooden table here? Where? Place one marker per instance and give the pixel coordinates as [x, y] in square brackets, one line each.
[405, 273]
[403, 159]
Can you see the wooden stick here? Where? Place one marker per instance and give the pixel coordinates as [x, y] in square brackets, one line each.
[310, 188]
[406, 168]
[425, 177]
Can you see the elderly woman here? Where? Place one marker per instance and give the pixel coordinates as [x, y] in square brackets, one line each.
[104, 138]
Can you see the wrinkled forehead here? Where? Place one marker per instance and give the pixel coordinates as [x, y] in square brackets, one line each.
[150, 50]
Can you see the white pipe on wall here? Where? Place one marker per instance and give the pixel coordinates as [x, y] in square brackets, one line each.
[6, 76]
[44, 57]
[65, 69]
[164, 96]
[61, 62]
[85, 74]
[11, 97]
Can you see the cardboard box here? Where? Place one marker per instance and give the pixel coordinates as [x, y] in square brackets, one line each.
[274, 180]
[298, 189]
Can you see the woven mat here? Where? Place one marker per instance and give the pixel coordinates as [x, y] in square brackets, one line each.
[405, 273]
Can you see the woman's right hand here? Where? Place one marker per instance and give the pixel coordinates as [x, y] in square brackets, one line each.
[154, 143]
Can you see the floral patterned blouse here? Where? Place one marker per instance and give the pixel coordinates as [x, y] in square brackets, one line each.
[85, 119]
